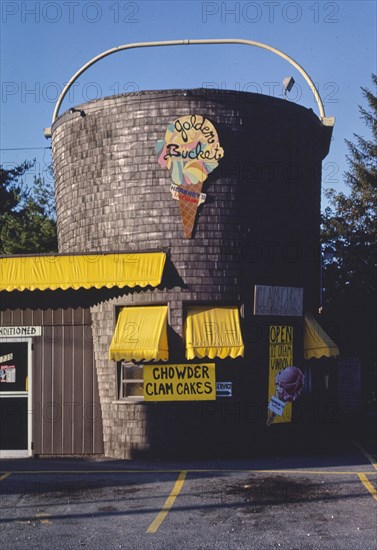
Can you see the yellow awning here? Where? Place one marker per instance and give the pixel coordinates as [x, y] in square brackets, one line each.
[140, 334]
[316, 342]
[81, 271]
[213, 332]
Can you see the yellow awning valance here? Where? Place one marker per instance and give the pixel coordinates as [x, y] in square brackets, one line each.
[81, 271]
[316, 342]
[213, 332]
[141, 334]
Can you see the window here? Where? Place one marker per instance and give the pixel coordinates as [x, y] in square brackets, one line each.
[131, 383]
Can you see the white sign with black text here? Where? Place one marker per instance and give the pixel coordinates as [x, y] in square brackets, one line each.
[5, 358]
[276, 405]
[278, 300]
[223, 389]
[19, 332]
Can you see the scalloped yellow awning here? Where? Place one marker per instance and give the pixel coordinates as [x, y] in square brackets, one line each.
[213, 332]
[81, 271]
[140, 334]
[317, 343]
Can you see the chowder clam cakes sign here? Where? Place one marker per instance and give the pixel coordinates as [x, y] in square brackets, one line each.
[190, 151]
[180, 382]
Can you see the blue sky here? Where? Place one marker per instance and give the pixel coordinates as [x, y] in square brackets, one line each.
[43, 43]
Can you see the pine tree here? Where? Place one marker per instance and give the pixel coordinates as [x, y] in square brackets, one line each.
[350, 224]
[349, 232]
[27, 215]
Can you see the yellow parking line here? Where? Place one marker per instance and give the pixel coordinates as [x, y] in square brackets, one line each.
[367, 455]
[194, 470]
[364, 480]
[168, 503]
[4, 476]
[43, 518]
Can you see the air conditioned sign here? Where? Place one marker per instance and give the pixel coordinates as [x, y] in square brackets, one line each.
[20, 331]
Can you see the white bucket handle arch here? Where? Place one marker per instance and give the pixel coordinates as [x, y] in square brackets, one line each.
[327, 121]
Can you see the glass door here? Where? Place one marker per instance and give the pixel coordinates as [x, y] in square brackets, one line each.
[14, 391]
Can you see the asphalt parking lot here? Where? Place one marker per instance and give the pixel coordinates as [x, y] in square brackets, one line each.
[321, 500]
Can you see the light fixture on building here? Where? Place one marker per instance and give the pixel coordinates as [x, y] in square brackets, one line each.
[73, 110]
[288, 83]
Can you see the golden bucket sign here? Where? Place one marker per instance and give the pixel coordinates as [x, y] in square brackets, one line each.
[190, 151]
[180, 382]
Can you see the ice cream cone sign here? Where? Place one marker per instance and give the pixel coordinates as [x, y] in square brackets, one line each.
[289, 385]
[190, 151]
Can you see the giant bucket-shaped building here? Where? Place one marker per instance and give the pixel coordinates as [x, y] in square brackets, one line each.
[252, 250]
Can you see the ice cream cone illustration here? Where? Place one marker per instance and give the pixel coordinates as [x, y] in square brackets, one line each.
[190, 151]
[270, 418]
[289, 385]
[189, 203]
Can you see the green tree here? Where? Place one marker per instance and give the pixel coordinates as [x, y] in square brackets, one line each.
[27, 215]
[349, 233]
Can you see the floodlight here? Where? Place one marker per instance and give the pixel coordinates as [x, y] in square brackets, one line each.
[288, 83]
[73, 110]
